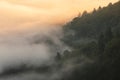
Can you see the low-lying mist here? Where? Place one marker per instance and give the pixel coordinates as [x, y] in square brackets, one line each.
[33, 47]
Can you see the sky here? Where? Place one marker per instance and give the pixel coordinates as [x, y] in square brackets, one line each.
[24, 14]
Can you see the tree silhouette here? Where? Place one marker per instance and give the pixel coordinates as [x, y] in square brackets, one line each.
[108, 35]
[84, 13]
[101, 43]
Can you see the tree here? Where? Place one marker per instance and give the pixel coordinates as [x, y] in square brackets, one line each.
[94, 11]
[101, 43]
[58, 56]
[110, 4]
[84, 13]
[99, 8]
[108, 34]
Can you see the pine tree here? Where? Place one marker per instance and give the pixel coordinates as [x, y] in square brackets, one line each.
[101, 43]
[94, 11]
[84, 13]
[99, 8]
[108, 35]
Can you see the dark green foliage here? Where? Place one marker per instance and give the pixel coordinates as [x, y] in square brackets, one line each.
[91, 25]
[100, 31]
[108, 34]
[112, 49]
[109, 61]
[101, 43]
[89, 49]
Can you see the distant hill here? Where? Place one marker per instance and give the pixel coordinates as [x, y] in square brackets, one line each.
[96, 37]
[94, 41]
[91, 25]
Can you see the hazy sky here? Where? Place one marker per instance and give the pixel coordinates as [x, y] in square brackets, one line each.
[26, 13]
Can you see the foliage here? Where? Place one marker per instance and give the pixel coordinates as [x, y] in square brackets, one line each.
[100, 31]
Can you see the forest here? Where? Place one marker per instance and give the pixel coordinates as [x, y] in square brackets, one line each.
[96, 37]
[94, 49]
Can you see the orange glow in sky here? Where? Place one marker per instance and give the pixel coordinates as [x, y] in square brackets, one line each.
[17, 13]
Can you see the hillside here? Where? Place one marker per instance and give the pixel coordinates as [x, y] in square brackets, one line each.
[93, 43]
[96, 36]
[91, 25]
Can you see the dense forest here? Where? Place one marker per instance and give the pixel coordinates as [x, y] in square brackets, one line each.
[96, 37]
[94, 54]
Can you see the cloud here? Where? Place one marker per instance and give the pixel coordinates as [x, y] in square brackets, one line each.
[21, 47]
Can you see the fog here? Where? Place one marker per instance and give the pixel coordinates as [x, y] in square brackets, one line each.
[33, 47]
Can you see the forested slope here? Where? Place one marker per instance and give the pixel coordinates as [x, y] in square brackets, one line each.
[91, 25]
[96, 36]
